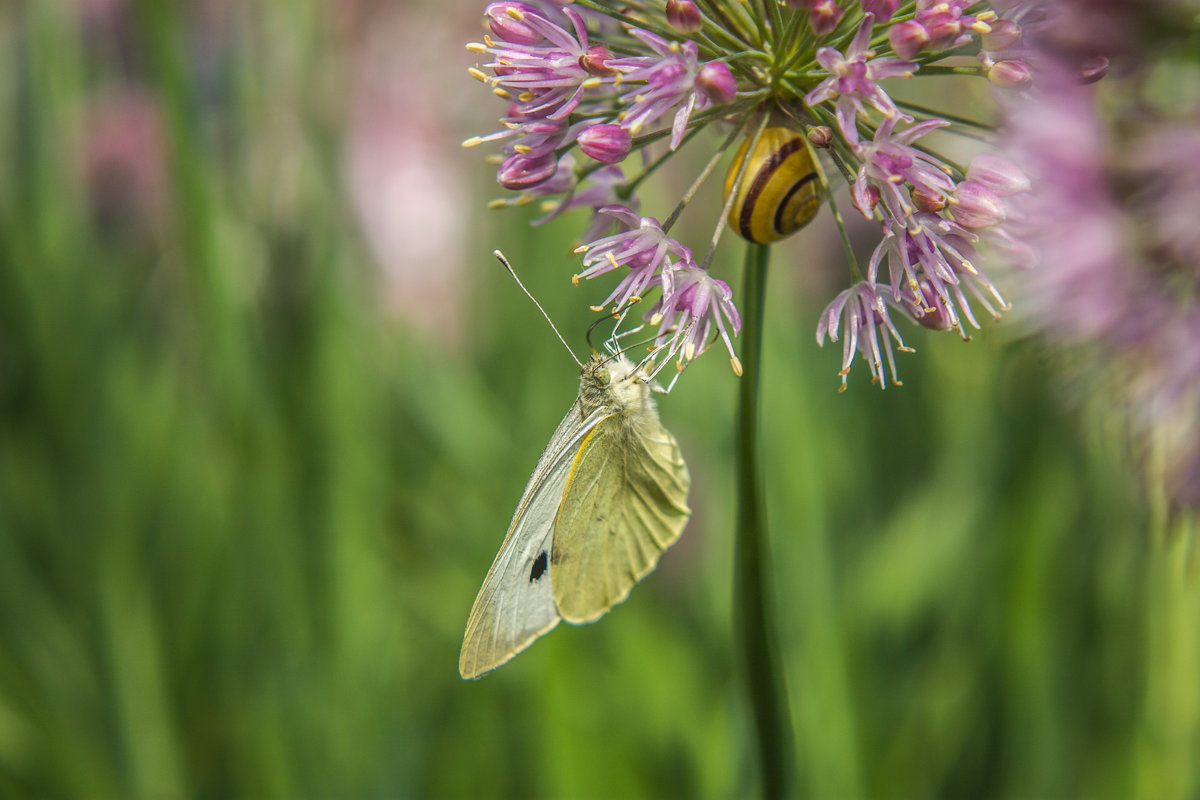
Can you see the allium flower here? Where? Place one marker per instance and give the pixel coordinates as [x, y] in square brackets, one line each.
[1114, 225]
[852, 80]
[856, 316]
[607, 81]
[670, 81]
[693, 303]
[895, 169]
[936, 256]
[643, 247]
[548, 75]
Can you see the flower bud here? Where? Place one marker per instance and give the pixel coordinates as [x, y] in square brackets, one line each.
[882, 9]
[684, 16]
[716, 82]
[824, 16]
[1004, 34]
[507, 21]
[865, 196]
[1093, 69]
[908, 38]
[695, 297]
[998, 174]
[524, 172]
[1011, 74]
[595, 61]
[820, 135]
[608, 143]
[925, 200]
[944, 29]
[930, 311]
[976, 206]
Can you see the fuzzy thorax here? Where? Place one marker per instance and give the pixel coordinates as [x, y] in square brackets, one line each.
[615, 383]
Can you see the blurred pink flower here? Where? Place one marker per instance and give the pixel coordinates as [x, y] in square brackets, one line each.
[403, 173]
[1112, 219]
[123, 161]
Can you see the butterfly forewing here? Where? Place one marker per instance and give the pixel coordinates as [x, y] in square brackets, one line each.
[516, 603]
[625, 502]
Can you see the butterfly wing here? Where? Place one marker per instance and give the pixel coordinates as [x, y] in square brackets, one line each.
[624, 503]
[516, 602]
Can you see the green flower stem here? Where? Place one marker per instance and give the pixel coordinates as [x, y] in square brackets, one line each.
[754, 629]
[1169, 729]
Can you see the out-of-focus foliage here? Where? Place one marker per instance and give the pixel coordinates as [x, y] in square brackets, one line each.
[247, 496]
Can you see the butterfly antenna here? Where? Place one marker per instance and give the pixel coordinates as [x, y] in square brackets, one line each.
[592, 327]
[528, 294]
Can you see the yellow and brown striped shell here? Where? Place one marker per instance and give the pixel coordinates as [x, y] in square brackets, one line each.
[781, 190]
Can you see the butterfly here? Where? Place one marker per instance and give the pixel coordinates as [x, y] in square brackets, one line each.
[607, 497]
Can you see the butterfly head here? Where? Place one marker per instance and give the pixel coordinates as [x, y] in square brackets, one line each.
[612, 381]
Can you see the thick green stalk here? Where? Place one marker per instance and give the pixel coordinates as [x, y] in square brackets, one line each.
[755, 632]
[1169, 731]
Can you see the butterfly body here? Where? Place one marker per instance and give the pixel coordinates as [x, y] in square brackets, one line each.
[607, 497]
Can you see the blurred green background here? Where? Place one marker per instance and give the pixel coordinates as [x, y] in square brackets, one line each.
[267, 404]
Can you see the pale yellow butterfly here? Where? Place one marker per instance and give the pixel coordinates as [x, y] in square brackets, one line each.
[607, 497]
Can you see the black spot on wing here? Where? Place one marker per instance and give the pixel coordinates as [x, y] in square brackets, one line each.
[539, 566]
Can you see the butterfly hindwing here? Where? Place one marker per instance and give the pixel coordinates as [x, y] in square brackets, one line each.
[624, 503]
